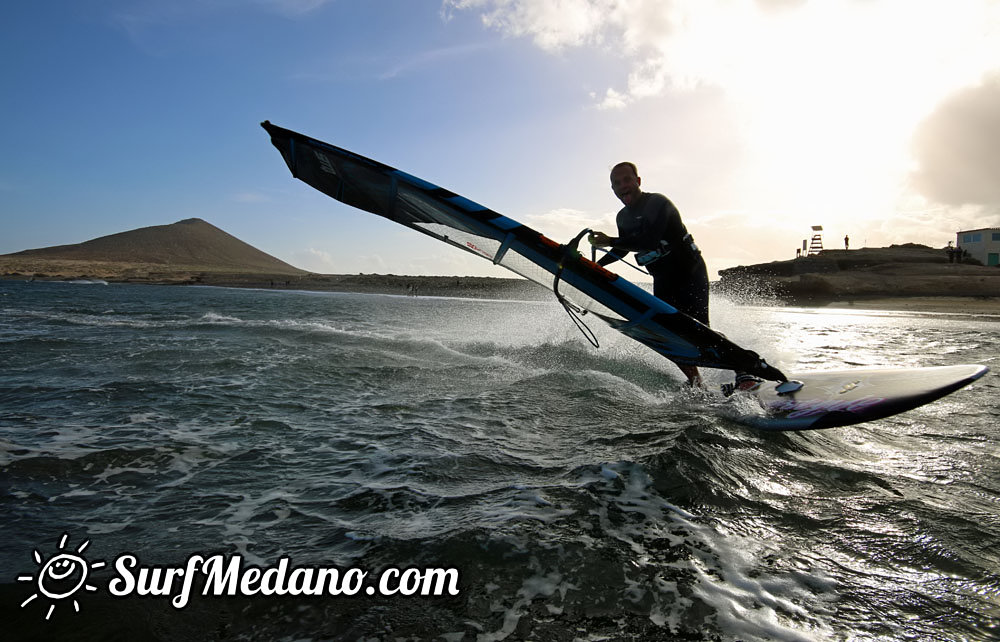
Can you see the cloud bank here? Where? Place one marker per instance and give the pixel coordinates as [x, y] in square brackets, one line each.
[958, 148]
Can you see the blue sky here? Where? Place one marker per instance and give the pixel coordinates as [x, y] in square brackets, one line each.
[760, 118]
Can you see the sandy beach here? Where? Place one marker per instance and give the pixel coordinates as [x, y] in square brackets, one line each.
[948, 304]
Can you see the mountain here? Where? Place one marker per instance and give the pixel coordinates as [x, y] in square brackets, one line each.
[188, 245]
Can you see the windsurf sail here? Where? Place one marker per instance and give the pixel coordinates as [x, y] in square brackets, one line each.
[590, 288]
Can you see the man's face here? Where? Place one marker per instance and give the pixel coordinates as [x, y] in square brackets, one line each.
[625, 184]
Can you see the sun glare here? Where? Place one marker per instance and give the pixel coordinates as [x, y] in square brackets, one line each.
[828, 95]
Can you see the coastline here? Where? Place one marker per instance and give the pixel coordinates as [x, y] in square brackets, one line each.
[908, 277]
[465, 287]
[179, 275]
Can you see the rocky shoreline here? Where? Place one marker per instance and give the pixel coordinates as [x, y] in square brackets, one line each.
[844, 276]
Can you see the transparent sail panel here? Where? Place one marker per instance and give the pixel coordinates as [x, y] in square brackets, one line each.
[484, 246]
[416, 207]
[514, 261]
[517, 263]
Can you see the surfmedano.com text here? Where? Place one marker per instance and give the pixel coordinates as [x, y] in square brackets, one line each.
[222, 577]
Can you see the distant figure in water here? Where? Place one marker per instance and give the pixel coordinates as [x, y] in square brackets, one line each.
[847, 242]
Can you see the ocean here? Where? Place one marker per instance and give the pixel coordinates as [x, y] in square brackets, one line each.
[564, 492]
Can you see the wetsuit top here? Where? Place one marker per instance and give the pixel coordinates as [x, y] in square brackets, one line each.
[641, 227]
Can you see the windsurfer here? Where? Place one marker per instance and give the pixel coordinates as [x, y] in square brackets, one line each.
[651, 226]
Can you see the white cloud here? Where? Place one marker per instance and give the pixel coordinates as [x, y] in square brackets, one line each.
[749, 48]
[148, 23]
[551, 24]
[323, 262]
[821, 101]
[430, 57]
[562, 224]
[612, 100]
[313, 260]
[293, 8]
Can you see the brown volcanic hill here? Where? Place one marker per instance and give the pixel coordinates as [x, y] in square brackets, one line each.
[191, 244]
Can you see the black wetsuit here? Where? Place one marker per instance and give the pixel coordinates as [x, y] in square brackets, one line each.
[679, 277]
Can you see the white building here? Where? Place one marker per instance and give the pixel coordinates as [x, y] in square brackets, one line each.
[982, 244]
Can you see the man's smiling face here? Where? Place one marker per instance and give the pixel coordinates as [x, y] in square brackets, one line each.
[625, 184]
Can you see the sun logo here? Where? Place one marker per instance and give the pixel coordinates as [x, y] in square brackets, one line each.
[61, 576]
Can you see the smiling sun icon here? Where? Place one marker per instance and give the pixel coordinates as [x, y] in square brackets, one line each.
[61, 576]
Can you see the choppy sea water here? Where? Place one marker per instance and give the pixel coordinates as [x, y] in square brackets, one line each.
[581, 493]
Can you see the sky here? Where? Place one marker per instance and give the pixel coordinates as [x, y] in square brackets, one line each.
[877, 119]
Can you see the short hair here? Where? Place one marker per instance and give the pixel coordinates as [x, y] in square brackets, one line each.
[628, 164]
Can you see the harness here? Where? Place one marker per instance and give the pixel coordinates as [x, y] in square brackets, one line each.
[651, 256]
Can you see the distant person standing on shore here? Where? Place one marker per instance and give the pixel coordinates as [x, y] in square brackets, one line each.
[847, 242]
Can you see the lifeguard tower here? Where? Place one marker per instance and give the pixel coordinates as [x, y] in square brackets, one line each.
[816, 244]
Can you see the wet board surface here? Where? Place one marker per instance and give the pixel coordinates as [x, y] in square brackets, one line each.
[845, 397]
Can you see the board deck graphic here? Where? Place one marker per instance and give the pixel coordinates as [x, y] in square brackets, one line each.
[845, 397]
